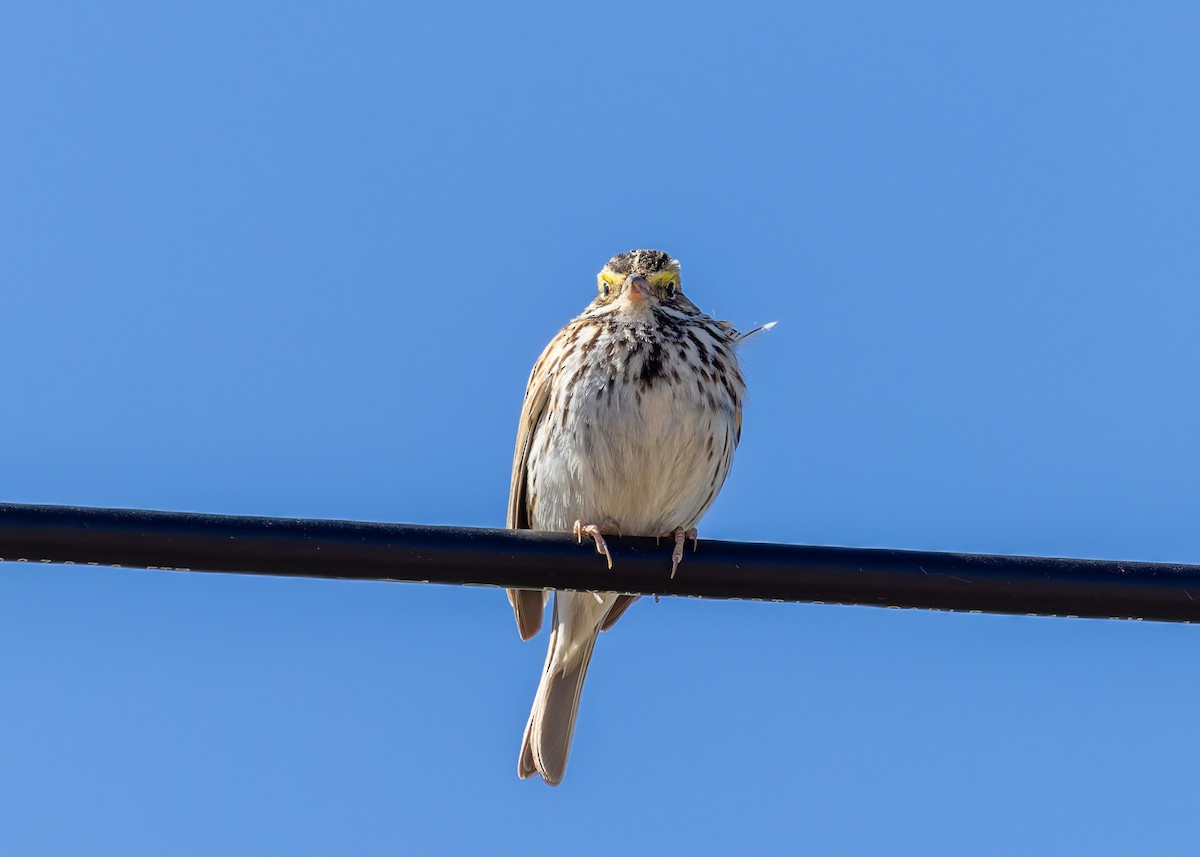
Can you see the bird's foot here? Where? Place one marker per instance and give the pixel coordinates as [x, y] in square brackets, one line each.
[681, 536]
[597, 532]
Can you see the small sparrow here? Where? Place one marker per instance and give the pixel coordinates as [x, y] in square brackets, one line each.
[631, 417]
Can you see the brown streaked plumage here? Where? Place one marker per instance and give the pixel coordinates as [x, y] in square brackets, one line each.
[630, 420]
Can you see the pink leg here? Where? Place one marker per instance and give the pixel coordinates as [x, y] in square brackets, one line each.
[597, 531]
[681, 536]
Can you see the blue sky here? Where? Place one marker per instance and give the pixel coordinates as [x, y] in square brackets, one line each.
[297, 260]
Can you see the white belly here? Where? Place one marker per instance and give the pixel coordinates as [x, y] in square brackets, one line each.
[651, 464]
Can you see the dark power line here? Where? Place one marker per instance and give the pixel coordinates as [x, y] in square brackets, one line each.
[352, 550]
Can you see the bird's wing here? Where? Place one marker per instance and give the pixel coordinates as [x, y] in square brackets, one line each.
[739, 339]
[617, 610]
[529, 604]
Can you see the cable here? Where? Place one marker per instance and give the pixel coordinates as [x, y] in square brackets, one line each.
[351, 550]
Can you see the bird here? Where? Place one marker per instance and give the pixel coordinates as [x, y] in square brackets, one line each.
[630, 420]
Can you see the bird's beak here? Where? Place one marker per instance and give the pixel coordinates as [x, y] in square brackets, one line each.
[636, 288]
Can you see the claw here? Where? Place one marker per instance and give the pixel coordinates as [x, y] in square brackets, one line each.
[581, 529]
[681, 536]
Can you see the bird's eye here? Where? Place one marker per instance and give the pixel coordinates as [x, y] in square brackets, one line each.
[671, 289]
[604, 289]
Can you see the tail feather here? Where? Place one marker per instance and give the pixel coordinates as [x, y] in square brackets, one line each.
[526, 767]
[547, 741]
[554, 719]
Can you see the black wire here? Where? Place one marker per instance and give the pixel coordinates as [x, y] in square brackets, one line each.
[353, 550]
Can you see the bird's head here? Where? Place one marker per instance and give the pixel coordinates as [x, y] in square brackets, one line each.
[637, 281]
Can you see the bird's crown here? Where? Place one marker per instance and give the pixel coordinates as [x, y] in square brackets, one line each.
[644, 262]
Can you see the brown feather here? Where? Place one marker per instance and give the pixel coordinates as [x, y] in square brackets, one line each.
[618, 609]
[629, 422]
[528, 604]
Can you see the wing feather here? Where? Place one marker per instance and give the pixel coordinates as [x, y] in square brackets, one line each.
[529, 604]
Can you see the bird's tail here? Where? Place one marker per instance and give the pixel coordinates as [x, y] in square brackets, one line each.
[547, 741]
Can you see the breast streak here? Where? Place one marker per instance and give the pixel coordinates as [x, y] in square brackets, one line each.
[652, 462]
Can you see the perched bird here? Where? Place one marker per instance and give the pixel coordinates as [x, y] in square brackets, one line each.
[630, 420]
